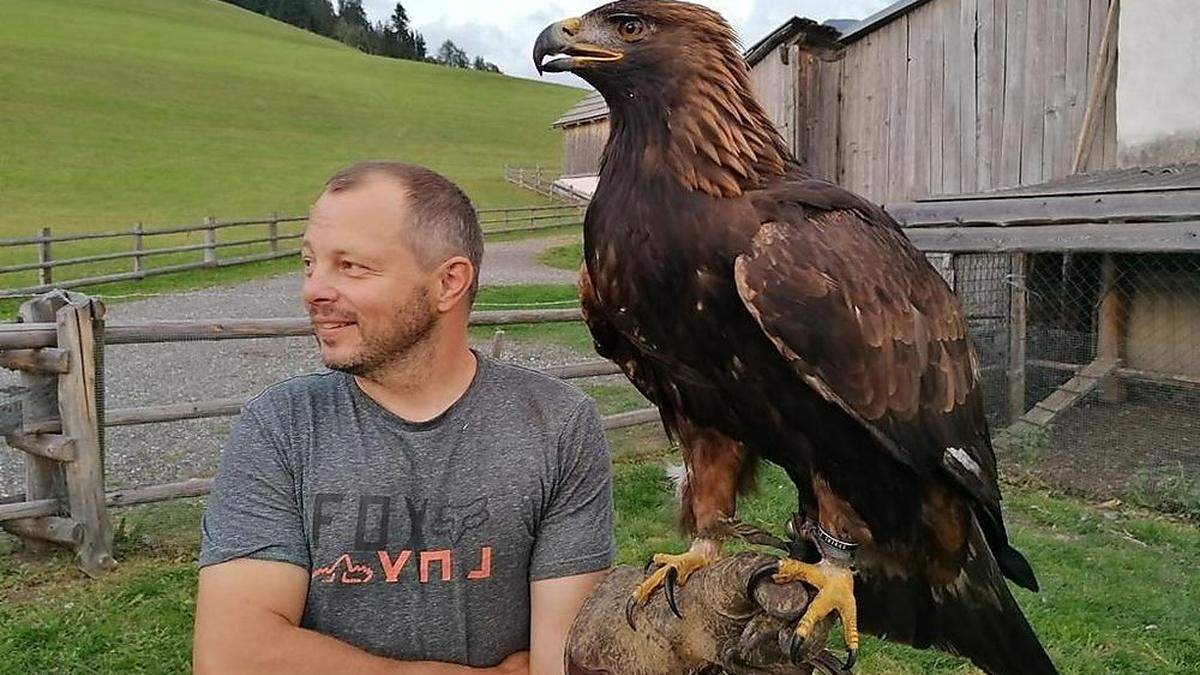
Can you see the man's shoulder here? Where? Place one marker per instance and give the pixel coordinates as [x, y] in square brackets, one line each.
[535, 390]
[307, 389]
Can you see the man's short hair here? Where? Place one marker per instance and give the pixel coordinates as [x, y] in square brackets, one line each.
[441, 220]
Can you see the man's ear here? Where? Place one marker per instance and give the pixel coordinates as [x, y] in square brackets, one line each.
[453, 280]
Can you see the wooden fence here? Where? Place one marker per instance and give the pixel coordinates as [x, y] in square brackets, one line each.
[59, 351]
[134, 246]
[531, 218]
[542, 182]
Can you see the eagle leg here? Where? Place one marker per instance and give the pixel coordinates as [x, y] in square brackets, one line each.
[673, 570]
[716, 465]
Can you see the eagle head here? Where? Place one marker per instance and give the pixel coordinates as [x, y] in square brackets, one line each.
[679, 92]
[646, 43]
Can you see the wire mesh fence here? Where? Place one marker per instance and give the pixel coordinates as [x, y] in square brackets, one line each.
[1043, 323]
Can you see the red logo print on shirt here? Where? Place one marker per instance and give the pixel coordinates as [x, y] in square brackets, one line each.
[431, 566]
[353, 574]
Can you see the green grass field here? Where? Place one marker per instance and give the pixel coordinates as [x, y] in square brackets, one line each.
[565, 257]
[167, 111]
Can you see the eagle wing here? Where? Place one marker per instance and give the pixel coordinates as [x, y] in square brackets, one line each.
[866, 321]
[609, 342]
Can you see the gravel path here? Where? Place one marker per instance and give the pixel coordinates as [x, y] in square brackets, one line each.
[141, 375]
[515, 262]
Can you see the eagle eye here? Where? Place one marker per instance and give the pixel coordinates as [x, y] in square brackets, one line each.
[631, 28]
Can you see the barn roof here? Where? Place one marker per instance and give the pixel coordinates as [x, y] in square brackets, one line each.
[593, 107]
[880, 19]
[759, 50]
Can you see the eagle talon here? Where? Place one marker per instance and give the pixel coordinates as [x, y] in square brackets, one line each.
[732, 663]
[669, 590]
[796, 648]
[756, 577]
[673, 571]
[828, 664]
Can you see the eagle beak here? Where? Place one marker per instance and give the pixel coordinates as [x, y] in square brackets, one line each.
[561, 38]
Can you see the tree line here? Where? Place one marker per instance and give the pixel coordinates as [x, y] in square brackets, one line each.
[394, 38]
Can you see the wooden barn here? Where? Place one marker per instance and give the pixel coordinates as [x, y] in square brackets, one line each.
[1046, 156]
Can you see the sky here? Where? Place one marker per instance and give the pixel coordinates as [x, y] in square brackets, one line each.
[503, 31]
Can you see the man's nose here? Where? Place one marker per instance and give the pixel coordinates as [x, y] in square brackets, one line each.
[317, 288]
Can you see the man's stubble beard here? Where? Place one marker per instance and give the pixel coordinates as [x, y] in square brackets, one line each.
[413, 325]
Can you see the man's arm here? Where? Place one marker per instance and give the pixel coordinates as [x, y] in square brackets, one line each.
[247, 621]
[574, 546]
[553, 606]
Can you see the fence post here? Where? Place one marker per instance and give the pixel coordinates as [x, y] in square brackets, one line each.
[44, 477]
[210, 242]
[80, 403]
[498, 343]
[1111, 330]
[45, 272]
[1018, 315]
[138, 260]
[273, 232]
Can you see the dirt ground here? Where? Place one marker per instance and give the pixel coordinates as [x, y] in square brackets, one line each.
[1112, 450]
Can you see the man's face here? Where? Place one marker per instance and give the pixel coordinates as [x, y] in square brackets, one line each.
[365, 290]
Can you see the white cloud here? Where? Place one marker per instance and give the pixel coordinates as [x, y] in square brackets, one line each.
[503, 31]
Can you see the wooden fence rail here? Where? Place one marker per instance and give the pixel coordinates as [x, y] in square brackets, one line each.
[37, 335]
[229, 407]
[58, 351]
[494, 221]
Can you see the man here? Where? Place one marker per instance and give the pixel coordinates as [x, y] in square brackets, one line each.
[419, 508]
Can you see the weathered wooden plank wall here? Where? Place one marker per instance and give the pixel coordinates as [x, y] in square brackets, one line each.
[582, 147]
[775, 81]
[1163, 322]
[958, 96]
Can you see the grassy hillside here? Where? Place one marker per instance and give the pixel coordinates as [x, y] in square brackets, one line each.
[164, 111]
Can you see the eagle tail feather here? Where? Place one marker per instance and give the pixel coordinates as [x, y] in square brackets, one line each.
[975, 616]
[1017, 568]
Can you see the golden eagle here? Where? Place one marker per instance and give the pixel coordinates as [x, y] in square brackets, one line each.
[772, 315]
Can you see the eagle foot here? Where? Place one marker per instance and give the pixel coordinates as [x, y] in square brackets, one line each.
[835, 593]
[673, 570]
[746, 657]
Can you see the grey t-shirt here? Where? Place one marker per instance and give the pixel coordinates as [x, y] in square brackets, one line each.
[420, 539]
